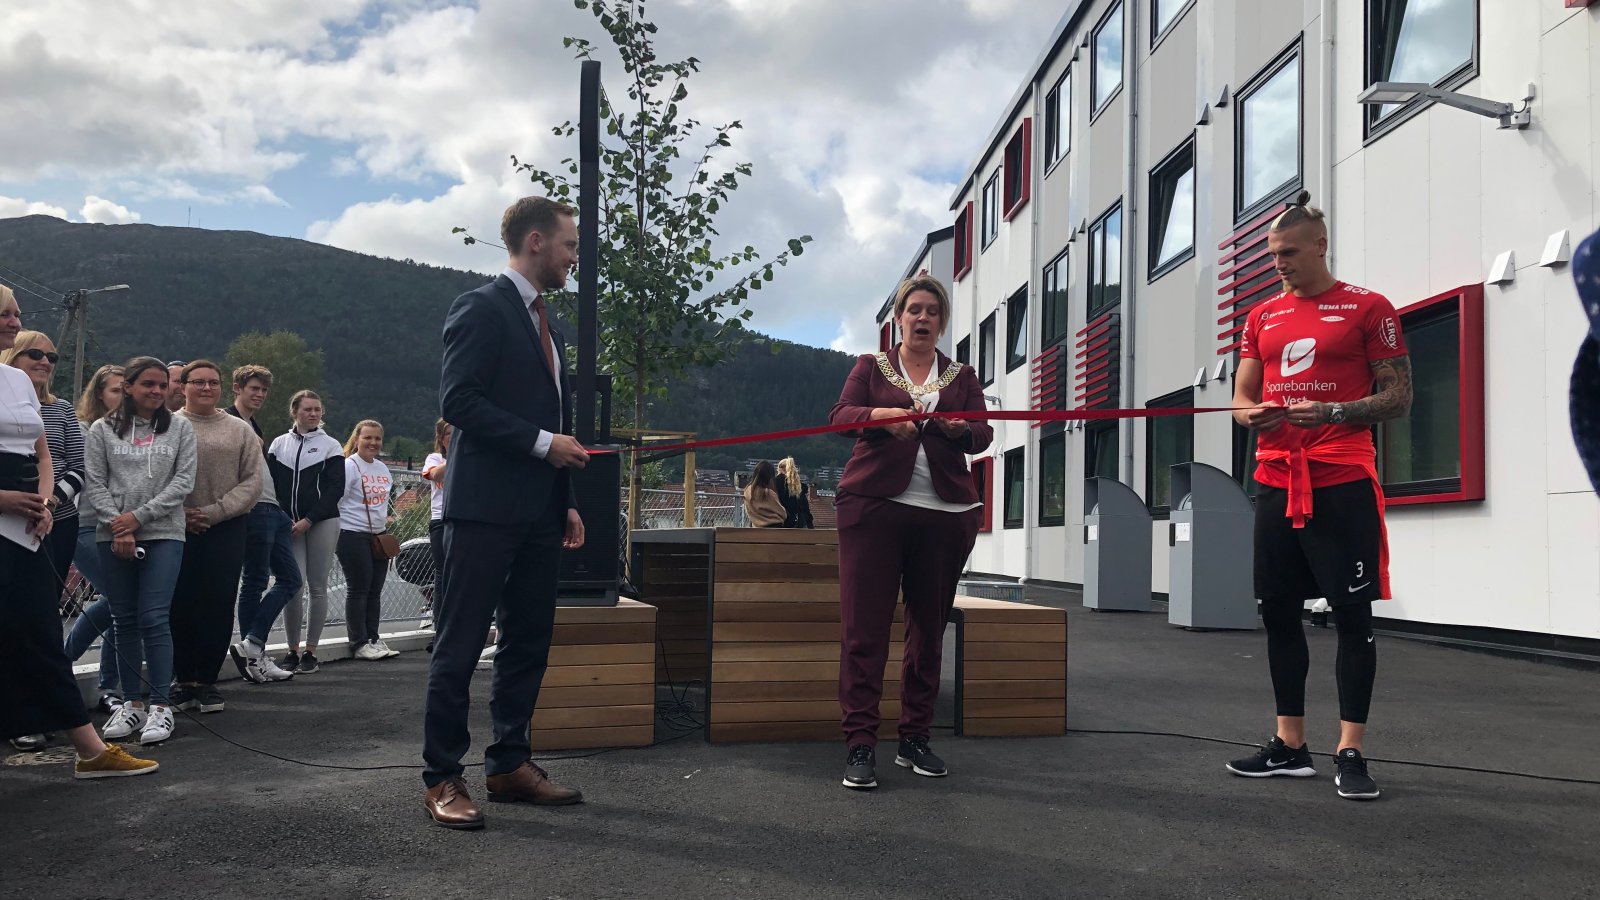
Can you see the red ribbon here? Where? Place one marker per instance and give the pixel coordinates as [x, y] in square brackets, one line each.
[998, 415]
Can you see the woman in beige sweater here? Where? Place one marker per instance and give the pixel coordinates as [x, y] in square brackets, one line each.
[227, 483]
[761, 503]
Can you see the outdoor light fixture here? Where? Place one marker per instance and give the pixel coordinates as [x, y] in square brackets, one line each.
[1385, 92]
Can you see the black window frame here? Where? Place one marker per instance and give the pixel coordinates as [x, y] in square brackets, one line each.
[1015, 186]
[986, 350]
[1058, 122]
[1047, 441]
[1294, 53]
[1093, 433]
[1119, 11]
[1162, 191]
[1096, 302]
[1157, 36]
[1015, 466]
[990, 204]
[1372, 126]
[964, 350]
[1049, 312]
[1016, 309]
[1181, 398]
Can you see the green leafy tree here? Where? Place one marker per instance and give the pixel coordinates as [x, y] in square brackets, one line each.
[669, 292]
[294, 367]
[405, 449]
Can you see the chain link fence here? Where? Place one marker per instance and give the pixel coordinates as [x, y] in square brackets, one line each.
[659, 508]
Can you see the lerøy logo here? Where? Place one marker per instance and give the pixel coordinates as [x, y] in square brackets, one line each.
[1298, 356]
[1389, 333]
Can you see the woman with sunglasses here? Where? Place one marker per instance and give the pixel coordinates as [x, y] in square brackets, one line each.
[36, 356]
[37, 691]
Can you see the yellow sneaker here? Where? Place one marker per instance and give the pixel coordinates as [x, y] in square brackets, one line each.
[113, 762]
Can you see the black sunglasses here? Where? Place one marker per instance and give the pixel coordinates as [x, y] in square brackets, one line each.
[35, 354]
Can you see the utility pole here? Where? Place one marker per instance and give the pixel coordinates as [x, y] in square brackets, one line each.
[77, 306]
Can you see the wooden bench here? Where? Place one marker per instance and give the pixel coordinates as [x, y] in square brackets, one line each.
[1011, 668]
[600, 689]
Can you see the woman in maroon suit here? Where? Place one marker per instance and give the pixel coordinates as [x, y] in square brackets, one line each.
[908, 515]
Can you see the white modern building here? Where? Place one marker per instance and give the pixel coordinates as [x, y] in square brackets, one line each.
[1110, 236]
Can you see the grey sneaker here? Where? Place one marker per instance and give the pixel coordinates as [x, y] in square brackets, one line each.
[209, 699]
[307, 664]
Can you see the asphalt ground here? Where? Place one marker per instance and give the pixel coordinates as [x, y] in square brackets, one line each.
[1088, 815]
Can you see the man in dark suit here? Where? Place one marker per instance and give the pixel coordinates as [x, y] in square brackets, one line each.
[508, 511]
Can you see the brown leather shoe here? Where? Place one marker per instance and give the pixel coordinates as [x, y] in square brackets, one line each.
[449, 805]
[530, 784]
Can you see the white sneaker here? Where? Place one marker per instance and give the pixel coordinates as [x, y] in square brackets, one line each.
[272, 670]
[248, 660]
[124, 722]
[387, 651]
[159, 726]
[369, 651]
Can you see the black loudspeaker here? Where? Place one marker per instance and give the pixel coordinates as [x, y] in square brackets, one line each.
[590, 574]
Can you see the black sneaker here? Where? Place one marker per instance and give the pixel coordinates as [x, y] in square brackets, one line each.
[289, 662]
[1275, 759]
[184, 697]
[858, 768]
[31, 742]
[108, 703]
[1353, 781]
[209, 699]
[306, 665]
[915, 755]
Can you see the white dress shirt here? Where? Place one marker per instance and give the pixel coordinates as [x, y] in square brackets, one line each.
[529, 294]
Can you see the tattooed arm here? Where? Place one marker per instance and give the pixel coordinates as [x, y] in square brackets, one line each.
[1391, 400]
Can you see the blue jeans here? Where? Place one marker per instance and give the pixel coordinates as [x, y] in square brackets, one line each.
[140, 591]
[95, 620]
[268, 551]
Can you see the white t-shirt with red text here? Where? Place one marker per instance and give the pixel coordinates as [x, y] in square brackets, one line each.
[364, 505]
[1318, 348]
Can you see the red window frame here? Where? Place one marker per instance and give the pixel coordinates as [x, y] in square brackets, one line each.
[1469, 301]
[1011, 179]
[963, 238]
[886, 336]
[983, 480]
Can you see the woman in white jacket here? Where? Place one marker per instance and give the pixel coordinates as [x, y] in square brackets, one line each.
[307, 468]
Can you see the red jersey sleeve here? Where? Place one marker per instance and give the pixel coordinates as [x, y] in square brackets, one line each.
[1381, 330]
[1250, 338]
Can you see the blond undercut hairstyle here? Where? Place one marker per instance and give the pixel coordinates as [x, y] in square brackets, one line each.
[528, 215]
[1301, 212]
[923, 282]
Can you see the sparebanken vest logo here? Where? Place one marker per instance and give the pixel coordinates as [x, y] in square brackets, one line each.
[1298, 356]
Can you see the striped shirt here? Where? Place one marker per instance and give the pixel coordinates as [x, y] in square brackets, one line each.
[65, 437]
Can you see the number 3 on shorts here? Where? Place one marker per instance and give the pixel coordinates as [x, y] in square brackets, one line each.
[1361, 569]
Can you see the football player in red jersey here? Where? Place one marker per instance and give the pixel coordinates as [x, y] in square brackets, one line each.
[1319, 365]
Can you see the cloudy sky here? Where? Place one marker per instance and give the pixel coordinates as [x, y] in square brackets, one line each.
[377, 125]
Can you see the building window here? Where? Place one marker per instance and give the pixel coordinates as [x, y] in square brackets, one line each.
[982, 477]
[1435, 42]
[1105, 261]
[991, 208]
[1019, 168]
[1172, 210]
[1435, 454]
[1169, 440]
[1107, 40]
[1016, 487]
[886, 336]
[964, 351]
[1053, 479]
[986, 350]
[1017, 329]
[1269, 133]
[1055, 294]
[963, 242]
[1058, 121]
[1162, 14]
[1100, 450]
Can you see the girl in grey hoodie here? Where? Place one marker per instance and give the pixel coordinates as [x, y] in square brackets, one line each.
[140, 463]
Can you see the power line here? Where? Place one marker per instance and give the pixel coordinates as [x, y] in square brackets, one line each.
[53, 301]
[41, 286]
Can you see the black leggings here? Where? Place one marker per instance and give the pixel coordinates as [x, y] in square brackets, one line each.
[363, 579]
[1290, 660]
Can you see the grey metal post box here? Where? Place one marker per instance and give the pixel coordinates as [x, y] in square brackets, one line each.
[1116, 552]
[1210, 535]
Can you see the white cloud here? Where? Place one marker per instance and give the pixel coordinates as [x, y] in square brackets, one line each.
[104, 212]
[856, 115]
[12, 207]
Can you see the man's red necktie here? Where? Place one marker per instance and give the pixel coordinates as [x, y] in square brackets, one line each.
[545, 341]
